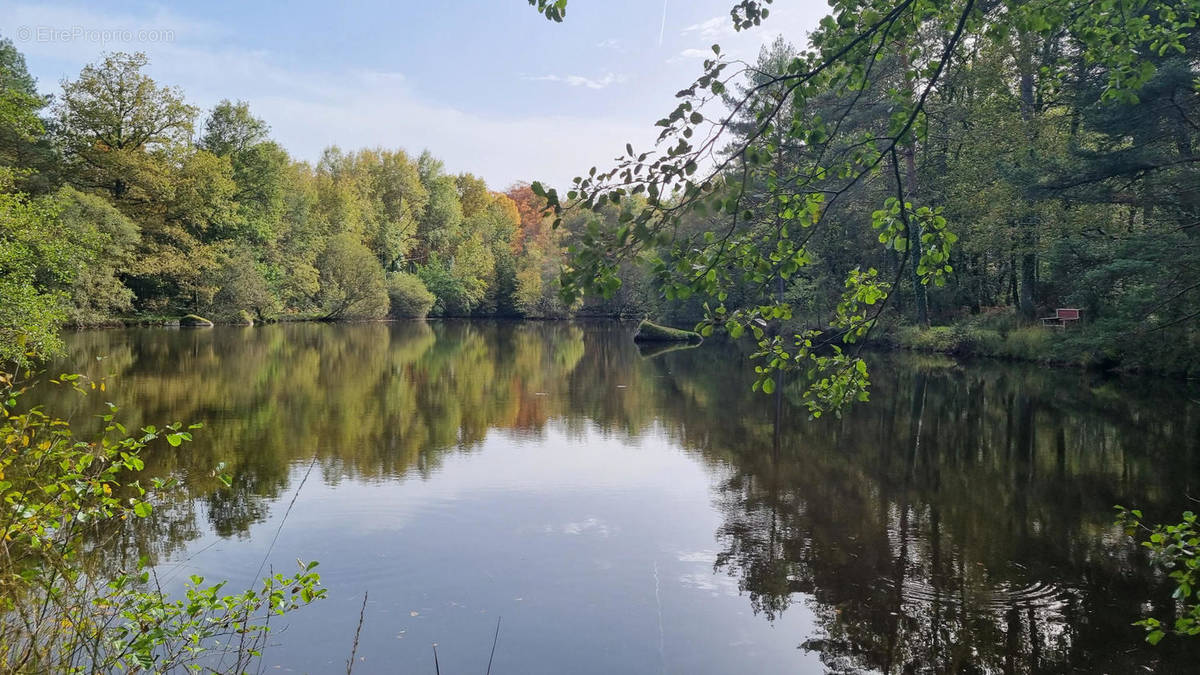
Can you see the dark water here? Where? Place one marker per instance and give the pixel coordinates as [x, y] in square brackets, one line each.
[635, 514]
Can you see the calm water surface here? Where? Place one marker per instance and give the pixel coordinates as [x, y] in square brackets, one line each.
[634, 513]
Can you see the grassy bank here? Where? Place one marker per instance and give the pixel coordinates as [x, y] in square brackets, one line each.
[1005, 336]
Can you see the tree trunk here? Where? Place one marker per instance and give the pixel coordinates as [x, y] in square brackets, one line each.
[1012, 282]
[978, 272]
[1028, 282]
[1027, 300]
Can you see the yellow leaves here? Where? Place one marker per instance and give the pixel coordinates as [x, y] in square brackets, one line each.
[107, 489]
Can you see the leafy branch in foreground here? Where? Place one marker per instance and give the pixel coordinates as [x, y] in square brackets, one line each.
[1175, 549]
[61, 611]
[554, 10]
[799, 137]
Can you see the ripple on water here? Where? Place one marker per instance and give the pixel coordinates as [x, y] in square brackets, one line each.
[993, 599]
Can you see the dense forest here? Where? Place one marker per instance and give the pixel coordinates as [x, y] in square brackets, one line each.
[121, 199]
[1031, 181]
[936, 175]
[1038, 191]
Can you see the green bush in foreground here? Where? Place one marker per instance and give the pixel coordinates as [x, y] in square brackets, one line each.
[59, 613]
[1176, 550]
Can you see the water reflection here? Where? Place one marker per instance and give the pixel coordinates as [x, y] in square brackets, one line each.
[960, 522]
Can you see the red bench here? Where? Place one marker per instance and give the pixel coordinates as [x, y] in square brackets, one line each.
[1061, 318]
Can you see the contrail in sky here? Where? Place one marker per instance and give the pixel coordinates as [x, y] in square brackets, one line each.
[662, 29]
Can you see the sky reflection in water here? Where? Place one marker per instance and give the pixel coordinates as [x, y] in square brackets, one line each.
[625, 513]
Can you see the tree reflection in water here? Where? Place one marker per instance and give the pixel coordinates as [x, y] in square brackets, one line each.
[959, 522]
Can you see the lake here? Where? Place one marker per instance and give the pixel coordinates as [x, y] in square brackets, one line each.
[621, 512]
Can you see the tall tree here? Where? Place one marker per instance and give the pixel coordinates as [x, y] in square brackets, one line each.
[116, 125]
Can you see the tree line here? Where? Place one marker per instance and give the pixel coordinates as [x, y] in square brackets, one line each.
[119, 198]
[939, 174]
[1028, 188]
[935, 176]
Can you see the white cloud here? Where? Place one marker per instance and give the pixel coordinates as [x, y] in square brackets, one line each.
[310, 110]
[793, 21]
[311, 107]
[579, 80]
[696, 53]
[502, 150]
[718, 25]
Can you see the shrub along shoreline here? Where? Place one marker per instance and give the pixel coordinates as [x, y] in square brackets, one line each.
[1072, 347]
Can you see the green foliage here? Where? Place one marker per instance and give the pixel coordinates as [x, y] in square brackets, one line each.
[1002, 162]
[231, 128]
[60, 614]
[37, 264]
[1175, 549]
[19, 100]
[1009, 129]
[554, 10]
[21, 128]
[243, 290]
[352, 282]
[29, 322]
[935, 339]
[112, 119]
[97, 293]
[452, 295]
[969, 337]
[835, 376]
[1031, 343]
[536, 293]
[229, 226]
[409, 297]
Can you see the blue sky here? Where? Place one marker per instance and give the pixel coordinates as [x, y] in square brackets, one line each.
[487, 85]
